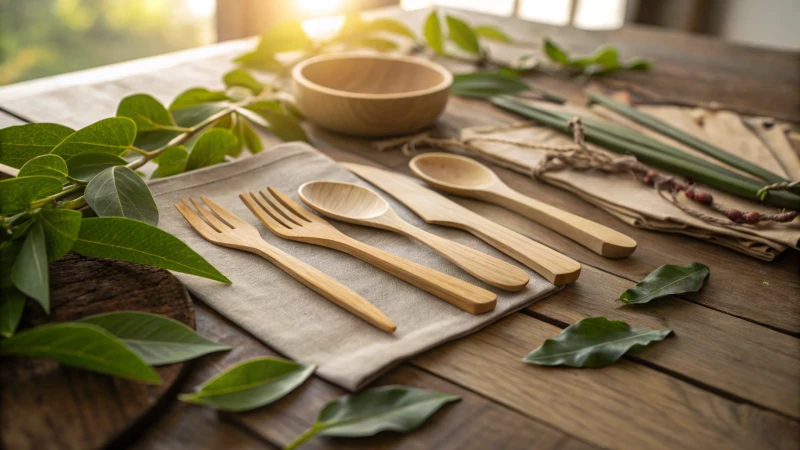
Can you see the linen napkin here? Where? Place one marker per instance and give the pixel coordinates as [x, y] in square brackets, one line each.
[294, 320]
[643, 207]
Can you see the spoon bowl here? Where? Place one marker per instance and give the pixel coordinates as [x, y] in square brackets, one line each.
[466, 177]
[342, 201]
[453, 173]
[352, 203]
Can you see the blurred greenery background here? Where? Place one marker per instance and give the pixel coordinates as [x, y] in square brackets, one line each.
[47, 37]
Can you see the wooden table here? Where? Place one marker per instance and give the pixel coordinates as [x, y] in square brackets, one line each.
[730, 378]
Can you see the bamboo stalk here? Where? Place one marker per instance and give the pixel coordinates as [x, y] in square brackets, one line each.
[685, 164]
[681, 136]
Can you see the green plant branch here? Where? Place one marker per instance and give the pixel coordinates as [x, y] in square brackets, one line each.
[43, 201]
[191, 131]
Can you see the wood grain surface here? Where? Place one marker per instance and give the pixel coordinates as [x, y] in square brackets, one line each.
[726, 379]
[45, 405]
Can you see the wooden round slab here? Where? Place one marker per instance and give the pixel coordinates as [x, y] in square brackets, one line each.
[46, 405]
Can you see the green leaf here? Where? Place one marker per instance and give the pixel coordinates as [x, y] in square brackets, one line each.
[238, 131]
[61, 228]
[377, 43]
[433, 33]
[146, 111]
[12, 303]
[593, 342]
[131, 240]
[257, 61]
[16, 194]
[667, 280]
[389, 26]
[554, 52]
[196, 96]
[387, 408]
[85, 166]
[156, 339]
[80, 345]
[20, 143]
[47, 166]
[281, 122]
[193, 115]
[29, 273]
[251, 138]
[151, 140]
[639, 64]
[113, 135]
[243, 78]
[486, 84]
[120, 192]
[171, 162]
[8, 254]
[492, 33]
[463, 36]
[210, 148]
[607, 57]
[251, 384]
[283, 37]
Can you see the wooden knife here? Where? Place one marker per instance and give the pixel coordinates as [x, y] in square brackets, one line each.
[439, 210]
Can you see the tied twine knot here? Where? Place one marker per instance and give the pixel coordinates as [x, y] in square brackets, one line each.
[580, 157]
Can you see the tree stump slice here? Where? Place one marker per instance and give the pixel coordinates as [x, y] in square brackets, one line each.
[45, 405]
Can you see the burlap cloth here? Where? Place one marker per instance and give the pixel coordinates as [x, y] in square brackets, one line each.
[643, 207]
[294, 320]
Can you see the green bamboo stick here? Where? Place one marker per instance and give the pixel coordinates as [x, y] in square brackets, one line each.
[686, 138]
[635, 138]
[688, 165]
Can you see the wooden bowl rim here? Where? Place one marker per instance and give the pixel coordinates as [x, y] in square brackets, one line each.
[297, 75]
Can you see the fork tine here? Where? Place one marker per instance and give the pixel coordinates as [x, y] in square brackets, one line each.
[253, 203]
[289, 203]
[281, 210]
[210, 217]
[202, 228]
[223, 213]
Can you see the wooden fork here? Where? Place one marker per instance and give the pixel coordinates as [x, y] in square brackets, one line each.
[288, 220]
[223, 228]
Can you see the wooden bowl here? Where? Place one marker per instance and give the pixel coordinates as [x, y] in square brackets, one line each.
[371, 95]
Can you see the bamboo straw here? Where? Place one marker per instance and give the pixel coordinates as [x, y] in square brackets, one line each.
[675, 160]
[693, 141]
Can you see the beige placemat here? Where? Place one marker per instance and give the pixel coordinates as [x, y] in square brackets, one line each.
[643, 207]
[294, 320]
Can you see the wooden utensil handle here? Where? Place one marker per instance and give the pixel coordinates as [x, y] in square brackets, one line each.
[486, 268]
[458, 293]
[327, 287]
[598, 238]
[553, 266]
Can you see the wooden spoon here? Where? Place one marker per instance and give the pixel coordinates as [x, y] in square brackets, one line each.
[469, 178]
[355, 204]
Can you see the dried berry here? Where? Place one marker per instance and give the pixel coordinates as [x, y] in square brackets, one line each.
[689, 193]
[734, 214]
[787, 216]
[752, 217]
[704, 198]
[648, 180]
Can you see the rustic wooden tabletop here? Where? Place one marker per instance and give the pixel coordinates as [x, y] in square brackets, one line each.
[728, 379]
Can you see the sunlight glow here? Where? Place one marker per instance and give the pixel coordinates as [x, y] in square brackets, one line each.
[201, 8]
[317, 8]
[323, 27]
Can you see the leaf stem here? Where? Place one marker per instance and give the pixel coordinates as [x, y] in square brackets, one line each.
[305, 436]
[43, 201]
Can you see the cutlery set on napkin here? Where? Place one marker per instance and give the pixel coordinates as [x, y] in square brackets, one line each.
[220, 204]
